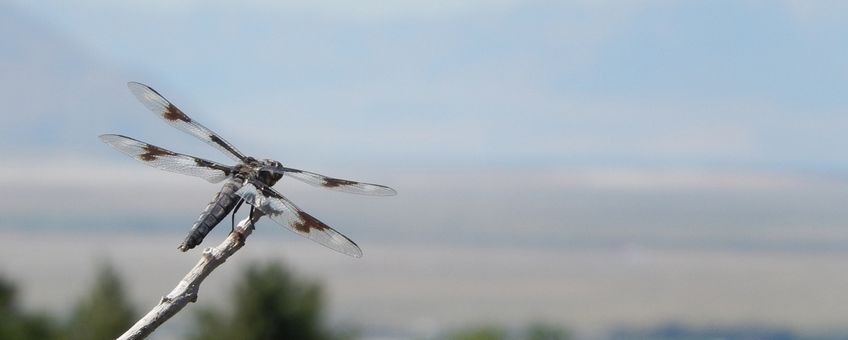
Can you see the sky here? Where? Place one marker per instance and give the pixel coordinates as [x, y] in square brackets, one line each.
[529, 125]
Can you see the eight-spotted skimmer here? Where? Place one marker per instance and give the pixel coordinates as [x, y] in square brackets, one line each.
[249, 181]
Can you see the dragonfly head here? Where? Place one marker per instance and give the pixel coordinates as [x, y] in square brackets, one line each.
[269, 177]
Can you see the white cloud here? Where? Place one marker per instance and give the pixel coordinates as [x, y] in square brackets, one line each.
[680, 180]
[121, 186]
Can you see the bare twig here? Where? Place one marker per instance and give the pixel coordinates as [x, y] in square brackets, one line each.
[186, 291]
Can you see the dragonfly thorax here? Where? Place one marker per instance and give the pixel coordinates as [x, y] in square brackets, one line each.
[253, 168]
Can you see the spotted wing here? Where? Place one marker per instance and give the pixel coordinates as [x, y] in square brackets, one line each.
[281, 210]
[168, 160]
[333, 183]
[176, 118]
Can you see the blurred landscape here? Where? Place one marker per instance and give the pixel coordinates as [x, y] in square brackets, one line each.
[565, 170]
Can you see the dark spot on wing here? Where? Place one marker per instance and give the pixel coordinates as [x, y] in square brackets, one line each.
[225, 145]
[335, 182]
[173, 113]
[307, 223]
[207, 164]
[151, 152]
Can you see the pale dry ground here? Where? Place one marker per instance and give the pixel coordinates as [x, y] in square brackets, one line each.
[419, 289]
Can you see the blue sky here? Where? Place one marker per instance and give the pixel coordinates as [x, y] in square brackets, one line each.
[697, 84]
[643, 141]
[501, 112]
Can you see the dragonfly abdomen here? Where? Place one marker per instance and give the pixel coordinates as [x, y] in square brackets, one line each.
[214, 213]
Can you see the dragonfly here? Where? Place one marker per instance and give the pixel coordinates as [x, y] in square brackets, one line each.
[250, 181]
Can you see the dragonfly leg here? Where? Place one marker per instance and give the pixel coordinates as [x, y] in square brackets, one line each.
[249, 218]
[233, 219]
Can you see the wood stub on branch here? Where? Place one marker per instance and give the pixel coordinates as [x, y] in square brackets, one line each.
[187, 289]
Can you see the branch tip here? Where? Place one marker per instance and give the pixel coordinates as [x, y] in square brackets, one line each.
[187, 289]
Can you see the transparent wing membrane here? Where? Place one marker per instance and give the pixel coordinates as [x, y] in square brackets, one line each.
[168, 160]
[284, 212]
[175, 117]
[333, 183]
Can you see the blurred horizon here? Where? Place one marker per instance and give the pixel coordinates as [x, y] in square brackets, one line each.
[612, 153]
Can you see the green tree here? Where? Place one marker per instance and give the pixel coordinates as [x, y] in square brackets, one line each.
[542, 331]
[536, 331]
[268, 303]
[104, 313]
[18, 325]
[478, 333]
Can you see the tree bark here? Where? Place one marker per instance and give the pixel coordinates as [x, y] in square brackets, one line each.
[187, 289]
